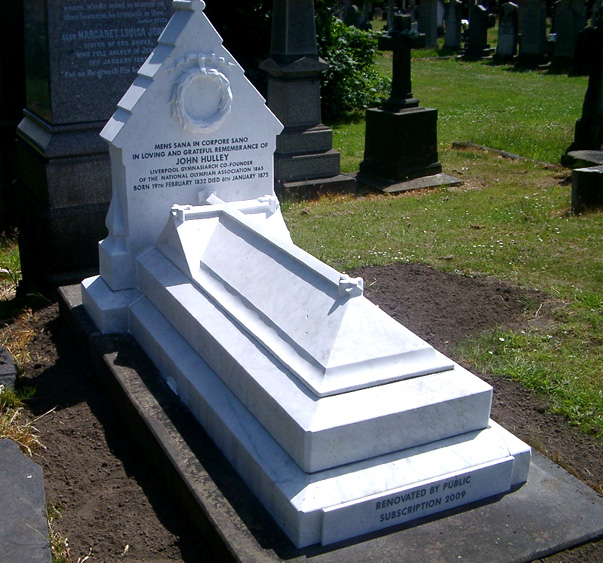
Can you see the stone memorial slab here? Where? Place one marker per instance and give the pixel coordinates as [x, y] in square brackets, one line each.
[508, 22]
[532, 18]
[477, 44]
[454, 15]
[428, 21]
[336, 416]
[78, 49]
[23, 527]
[570, 20]
[79, 59]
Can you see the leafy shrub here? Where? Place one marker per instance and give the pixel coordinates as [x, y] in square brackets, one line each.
[352, 81]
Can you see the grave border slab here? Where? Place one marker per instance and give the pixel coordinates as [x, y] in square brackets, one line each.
[551, 512]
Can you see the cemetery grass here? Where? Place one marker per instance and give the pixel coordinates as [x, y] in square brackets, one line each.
[529, 113]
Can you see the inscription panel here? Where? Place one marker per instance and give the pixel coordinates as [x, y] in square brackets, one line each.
[403, 505]
[94, 50]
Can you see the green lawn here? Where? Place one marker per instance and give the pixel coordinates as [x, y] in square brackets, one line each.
[510, 220]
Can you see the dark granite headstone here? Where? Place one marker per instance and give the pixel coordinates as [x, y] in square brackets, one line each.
[587, 189]
[304, 161]
[12, 100]
[507, 32]
[23, 524]
[454, 15]
[570, 20]
[401, 136]
[477, 44]
[532, 24]
[428, 21]
[80, 59]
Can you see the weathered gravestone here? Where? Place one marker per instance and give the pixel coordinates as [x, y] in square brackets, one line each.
[570, 20]
[80, 57]
[401, 136]
[454, 15]
[507, 32]
[477, 44]
[428, 21]
[532, 30]
[305, 161]
[12, 101]
[339, 419]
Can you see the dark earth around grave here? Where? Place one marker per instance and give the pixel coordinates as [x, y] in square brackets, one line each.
[113, 506]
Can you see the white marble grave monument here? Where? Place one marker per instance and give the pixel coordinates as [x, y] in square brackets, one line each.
[337, 417]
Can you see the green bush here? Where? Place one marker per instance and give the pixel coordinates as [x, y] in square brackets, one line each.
[352, 81]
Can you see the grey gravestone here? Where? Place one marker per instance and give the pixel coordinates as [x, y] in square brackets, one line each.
[80, 58]
[570, 20]
[8, 370]
[428, 22]
[401, 137]
[23, 525]
[532, 22]
[477, 44]
[12, 100]
[507, 32]
[454, 15]
[304, 160]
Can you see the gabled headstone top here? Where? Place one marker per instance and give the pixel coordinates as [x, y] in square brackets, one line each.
[190, 125]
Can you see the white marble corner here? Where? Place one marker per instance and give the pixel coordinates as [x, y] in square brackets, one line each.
[107, 308]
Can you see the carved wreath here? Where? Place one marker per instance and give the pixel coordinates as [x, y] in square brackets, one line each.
[201, 97]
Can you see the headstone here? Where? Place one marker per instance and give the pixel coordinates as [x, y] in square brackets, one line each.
[305, 161]
[428, 21]
[12, 102]
[570, 20]
[352, 16]
[587, 189]
[80, 57]
[8, 370]
[454, 15]
[532, 22]
[339, 419]
[401, 136]
[23, 525]
[477, 44]
[507, 32]
[589, 128]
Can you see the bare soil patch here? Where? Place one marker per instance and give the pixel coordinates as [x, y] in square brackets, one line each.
[112, 504]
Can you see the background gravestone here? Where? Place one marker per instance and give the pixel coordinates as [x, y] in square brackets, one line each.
[532, 29]
[80, 57]
[570, 20]
[304, 161]
[428, 21]
[454, 14]
[507, 32]
[12, 92]
[477, 45]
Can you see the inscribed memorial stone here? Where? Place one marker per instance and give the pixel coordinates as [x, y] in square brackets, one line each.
[80, 57]
[338, 418]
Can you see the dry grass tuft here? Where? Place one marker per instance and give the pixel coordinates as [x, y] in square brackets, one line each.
[14, 426]
[16, 336]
